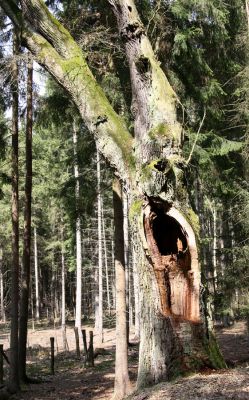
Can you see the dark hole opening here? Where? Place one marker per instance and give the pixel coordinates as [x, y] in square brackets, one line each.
[168, 234]
[129, 8]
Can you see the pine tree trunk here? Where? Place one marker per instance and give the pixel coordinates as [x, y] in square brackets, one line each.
[2, 310]
[247, 13]
[99, 274]
[25, 281]
[37, 296]
[78, 308]
[127, 260]
[136, 292]
[63, 291]
[122, 382]
[14, 373]
[106, 261]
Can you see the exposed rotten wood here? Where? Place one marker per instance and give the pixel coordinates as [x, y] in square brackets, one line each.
[173, 271]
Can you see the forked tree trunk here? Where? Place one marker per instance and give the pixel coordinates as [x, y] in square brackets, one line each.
[122, 383]
[14, 372]
[173, 332]
[25, 281]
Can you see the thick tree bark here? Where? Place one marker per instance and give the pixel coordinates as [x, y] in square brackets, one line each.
[55, 49]
[158, 134]
[25, 281]
[122, 382]
[14, 373]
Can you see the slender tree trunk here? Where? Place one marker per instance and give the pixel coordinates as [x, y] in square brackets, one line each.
[113, 275]
[78, 309]
[106, 261]
[247, 13]
[37, 296]
[99, 288]
[14, 373]
[2, 311]
[122, 383]
[127, 260]
[136, 292]
[25, 282]
[63, 291]
[214, 212]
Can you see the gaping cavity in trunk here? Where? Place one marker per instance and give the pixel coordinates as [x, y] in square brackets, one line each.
[173, 254]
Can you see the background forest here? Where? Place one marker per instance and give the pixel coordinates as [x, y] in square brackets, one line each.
[202, 47]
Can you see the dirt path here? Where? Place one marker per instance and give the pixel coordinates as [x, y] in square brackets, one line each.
[72, 381]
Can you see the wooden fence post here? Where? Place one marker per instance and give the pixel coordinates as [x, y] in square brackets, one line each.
[52, 354]
[76, 332]
[90, 350]
[1, 363]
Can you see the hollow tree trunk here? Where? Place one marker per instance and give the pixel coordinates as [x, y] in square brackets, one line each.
[25, 281]
[173, 331]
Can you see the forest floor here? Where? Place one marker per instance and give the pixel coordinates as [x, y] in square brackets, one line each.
[74, 382]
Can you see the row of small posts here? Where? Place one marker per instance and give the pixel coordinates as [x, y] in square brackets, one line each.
[88, 353]
[2, 357]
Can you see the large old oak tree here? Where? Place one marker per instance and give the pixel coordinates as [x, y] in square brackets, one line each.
[174, 330]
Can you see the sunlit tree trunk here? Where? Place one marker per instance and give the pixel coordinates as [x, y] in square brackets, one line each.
[106, 260]
[122, 382]
[37, 294]
[63, 291]
[127, 260]
[136, 291]
[99, 274]
[78, 308]
[25, 281]
[2, 310]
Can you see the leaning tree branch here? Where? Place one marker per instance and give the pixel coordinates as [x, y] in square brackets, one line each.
[54, 48]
